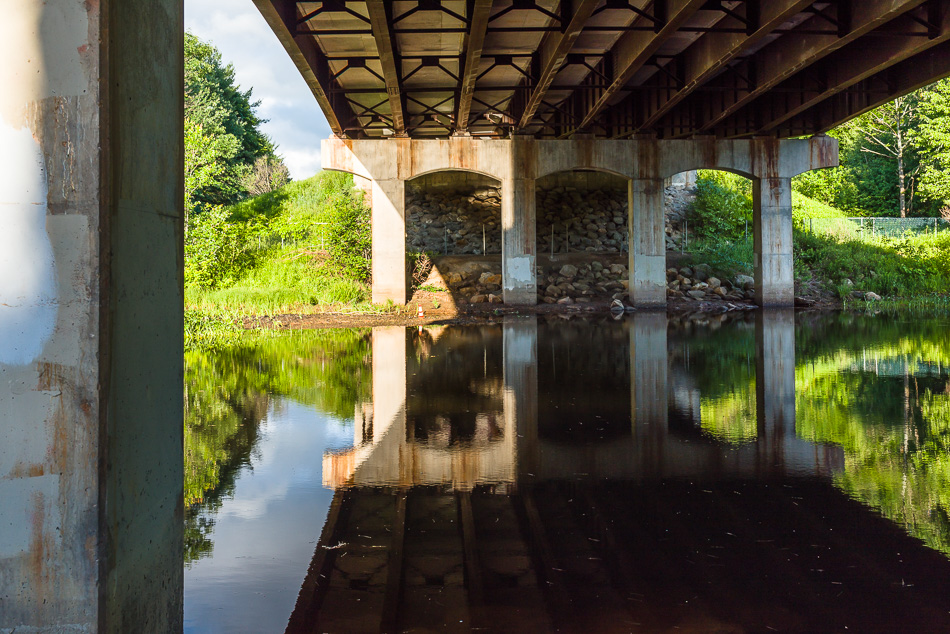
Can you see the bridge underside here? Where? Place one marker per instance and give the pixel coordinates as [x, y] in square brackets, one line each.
[612, 68]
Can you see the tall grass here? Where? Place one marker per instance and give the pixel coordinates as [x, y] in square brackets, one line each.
[281, 278]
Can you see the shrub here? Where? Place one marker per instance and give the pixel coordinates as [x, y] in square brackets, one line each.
[217, 250]
[349, 238]
[722, 206]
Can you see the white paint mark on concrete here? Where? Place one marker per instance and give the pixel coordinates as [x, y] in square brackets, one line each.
[27, 270]
[519, 269]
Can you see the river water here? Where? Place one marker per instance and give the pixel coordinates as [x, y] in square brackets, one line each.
[744, 473]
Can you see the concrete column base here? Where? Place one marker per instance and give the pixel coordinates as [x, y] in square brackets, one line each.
[518, 232]
[390, 278]
[773, 264]
[647, 268]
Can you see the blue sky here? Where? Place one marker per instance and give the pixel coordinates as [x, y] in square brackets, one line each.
[296, 123]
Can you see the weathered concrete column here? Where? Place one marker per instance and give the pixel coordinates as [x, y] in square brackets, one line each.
[518, 231]
[775, 378]
[647, 257]
[91, 192]
[520, 358]
[772, 223]
[390, 280]
[649, 363]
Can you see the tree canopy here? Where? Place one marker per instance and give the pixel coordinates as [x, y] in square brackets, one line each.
[223, 139]
[895, 160]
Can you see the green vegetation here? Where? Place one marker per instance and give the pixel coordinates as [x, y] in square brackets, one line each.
[303, 246]
[225, 151]
[895, 160]
[878, 388]
[904, 266]
[229, 390]
[291, 248]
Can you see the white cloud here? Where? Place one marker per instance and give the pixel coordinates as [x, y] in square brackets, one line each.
[295, 122]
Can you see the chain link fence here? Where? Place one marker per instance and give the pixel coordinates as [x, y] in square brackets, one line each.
[316, 240]
[871, 228]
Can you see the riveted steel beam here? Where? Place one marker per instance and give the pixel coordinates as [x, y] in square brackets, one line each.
[712, 52]
[845, 69]
[481, 12]
[552, 53]
[634, 49]
[381, 23]
[795, 51]
[281, 16]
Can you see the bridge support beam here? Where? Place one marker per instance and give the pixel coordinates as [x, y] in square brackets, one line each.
[390, 277]
[647, 257]
[772, 222]
[520, 161]
[91, 192]
[518, 232]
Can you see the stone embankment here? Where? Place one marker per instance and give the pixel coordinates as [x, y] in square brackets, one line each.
[571, 220]
[454, 222]
[585, 279]
[582, 243]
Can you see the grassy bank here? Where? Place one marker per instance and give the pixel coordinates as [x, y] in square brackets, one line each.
[910, 270]
[303, 248]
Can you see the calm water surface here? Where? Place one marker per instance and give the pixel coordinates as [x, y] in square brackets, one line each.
[752, 473]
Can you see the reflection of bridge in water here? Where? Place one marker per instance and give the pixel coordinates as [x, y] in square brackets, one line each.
[508, 498]
[509, 444]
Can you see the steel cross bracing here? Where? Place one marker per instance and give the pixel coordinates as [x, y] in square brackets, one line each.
[608, 68]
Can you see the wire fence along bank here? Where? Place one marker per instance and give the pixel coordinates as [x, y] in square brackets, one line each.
[871, 228]
[316, 239]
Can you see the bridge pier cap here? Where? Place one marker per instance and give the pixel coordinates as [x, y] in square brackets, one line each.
[518, 162]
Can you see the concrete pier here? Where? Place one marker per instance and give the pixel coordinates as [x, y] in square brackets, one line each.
[773, 262]
[518, 230]
[519, 162]
[390, 276]
[91, 192]
[647, 243]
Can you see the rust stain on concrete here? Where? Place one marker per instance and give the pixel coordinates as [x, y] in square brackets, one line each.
[40, 548]
[26, 470]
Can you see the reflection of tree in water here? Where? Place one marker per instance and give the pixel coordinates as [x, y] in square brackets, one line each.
[878, 387]
[229, 392]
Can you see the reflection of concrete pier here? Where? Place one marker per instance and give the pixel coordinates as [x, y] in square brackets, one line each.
[512, 446]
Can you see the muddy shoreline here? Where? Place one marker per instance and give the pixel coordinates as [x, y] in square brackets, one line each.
[481, 313]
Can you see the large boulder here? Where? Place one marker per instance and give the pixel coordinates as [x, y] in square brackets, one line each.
[568, 270]
[744, 282]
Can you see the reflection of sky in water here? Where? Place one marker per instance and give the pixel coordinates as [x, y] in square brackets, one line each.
[265, 534]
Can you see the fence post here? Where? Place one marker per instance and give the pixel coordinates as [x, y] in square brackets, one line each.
[811, 229]
[872, 226]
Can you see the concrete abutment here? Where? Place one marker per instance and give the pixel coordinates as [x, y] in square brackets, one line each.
[520, 162]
